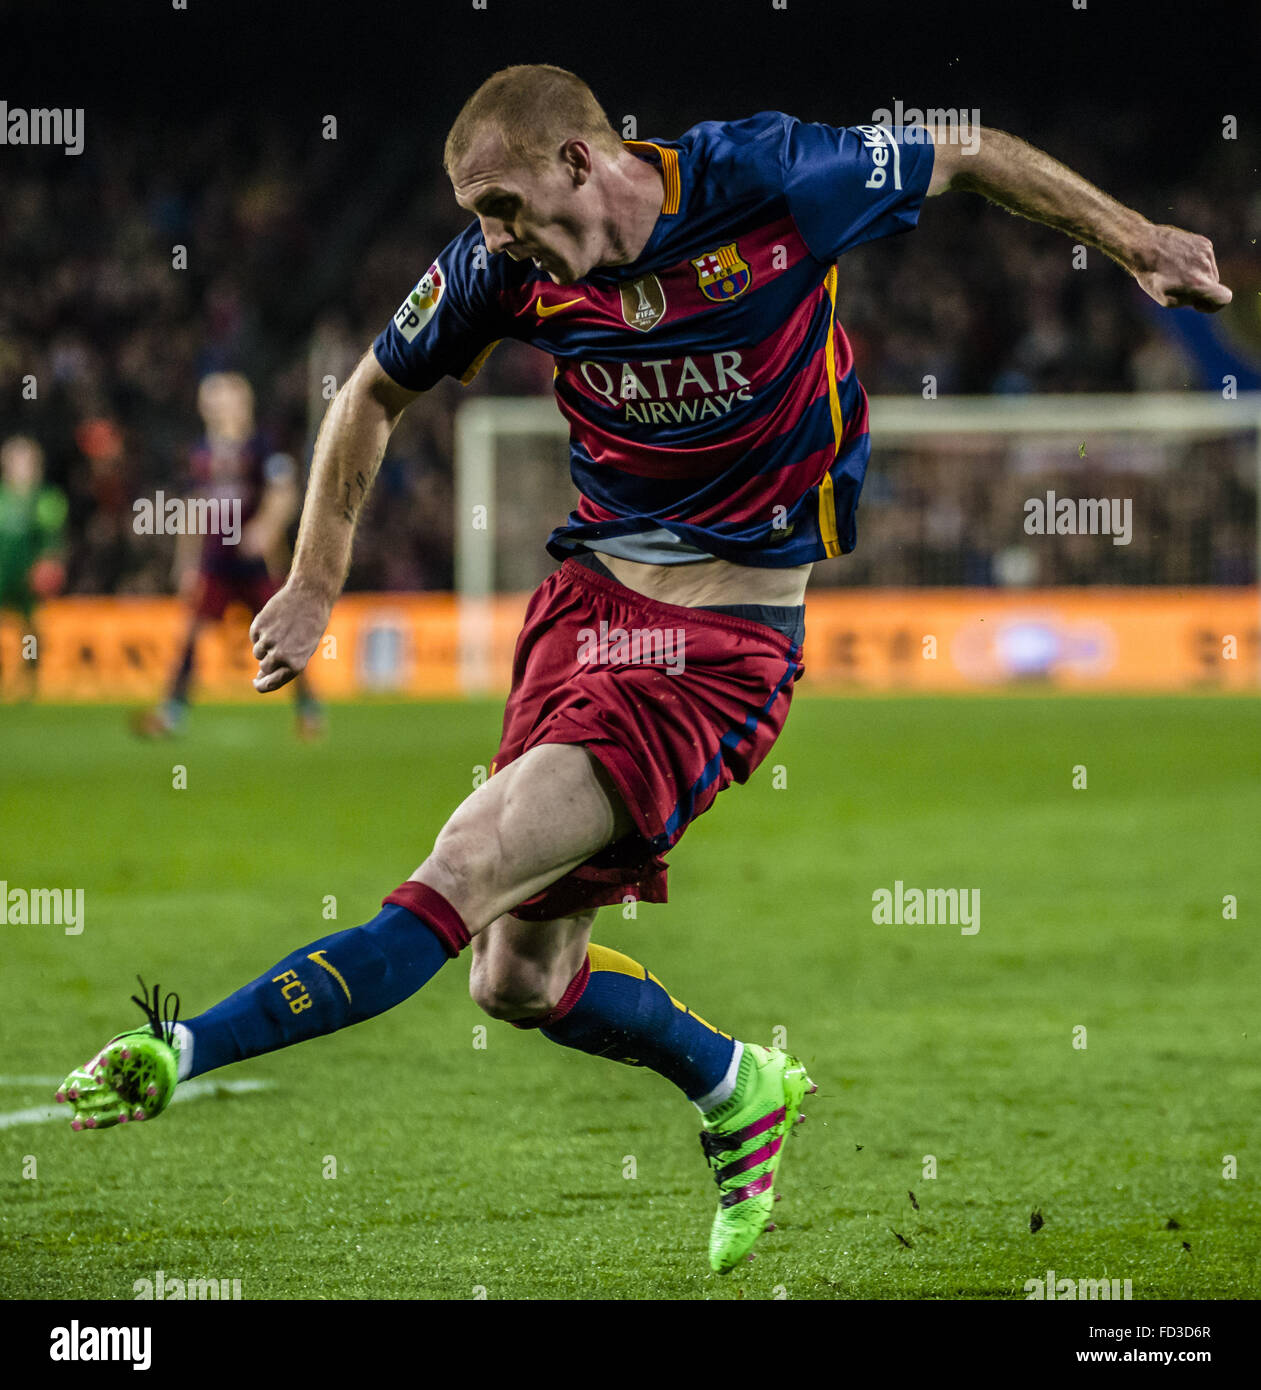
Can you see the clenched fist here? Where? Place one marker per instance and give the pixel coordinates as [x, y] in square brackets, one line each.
[286, 633]
[1179, 270]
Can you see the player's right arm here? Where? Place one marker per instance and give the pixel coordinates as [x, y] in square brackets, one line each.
[444, 327]
[348, 453]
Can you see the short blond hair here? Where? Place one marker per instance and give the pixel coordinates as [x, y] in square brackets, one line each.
[535, 107]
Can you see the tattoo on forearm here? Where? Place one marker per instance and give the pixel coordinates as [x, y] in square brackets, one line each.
[349, 507]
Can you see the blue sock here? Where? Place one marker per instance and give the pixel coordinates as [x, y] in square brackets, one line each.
[334, 982]
[615, 1008]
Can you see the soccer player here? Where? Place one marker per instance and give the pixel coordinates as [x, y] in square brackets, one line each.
[686, 290]
[232, 464]
[32, 537]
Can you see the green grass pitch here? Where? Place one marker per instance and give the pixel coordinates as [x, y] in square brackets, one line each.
[528, 1171]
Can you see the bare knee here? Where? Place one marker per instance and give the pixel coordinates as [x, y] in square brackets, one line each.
[512, 996]
[516, 976]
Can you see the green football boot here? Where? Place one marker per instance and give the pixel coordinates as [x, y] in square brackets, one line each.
[745, 1146]
[134, 1075]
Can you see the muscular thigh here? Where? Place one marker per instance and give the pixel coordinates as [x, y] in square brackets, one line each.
[539, 817]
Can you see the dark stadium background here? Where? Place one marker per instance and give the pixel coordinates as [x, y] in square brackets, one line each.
[203, 128]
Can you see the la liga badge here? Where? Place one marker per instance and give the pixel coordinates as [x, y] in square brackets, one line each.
[419, 306]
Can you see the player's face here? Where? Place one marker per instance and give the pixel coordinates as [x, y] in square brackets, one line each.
[226, 403]
[542, 215]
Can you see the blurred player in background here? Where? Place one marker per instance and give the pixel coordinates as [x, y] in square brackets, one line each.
[32, 537]
[232, 462]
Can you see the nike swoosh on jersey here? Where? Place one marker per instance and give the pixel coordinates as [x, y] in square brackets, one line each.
[547, 310]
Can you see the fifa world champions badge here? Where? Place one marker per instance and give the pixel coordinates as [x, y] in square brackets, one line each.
[643, 303]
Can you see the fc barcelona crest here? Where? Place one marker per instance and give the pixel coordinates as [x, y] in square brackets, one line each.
[643, 303]
[723, 274]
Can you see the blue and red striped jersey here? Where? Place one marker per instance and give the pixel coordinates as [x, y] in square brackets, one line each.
[709, 386]
[237, 471]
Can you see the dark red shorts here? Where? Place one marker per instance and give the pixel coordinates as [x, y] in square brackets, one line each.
[677, 703]
[251, 587]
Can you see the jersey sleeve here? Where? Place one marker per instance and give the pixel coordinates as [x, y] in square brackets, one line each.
[849, 184]
[448, 321]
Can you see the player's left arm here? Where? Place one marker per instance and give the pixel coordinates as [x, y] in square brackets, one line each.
[1176, 268]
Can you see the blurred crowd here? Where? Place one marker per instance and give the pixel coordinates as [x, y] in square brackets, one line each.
[131, 272]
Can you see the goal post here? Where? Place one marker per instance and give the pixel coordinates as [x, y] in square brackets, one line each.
[480, 427]
[533, 488]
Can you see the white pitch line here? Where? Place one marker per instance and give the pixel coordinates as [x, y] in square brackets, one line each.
[189, 1090]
